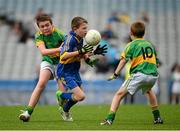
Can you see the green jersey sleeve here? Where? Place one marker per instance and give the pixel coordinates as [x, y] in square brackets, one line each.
[127, 53]
[38, 39]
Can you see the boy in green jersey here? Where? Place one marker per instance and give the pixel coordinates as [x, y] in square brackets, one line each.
[143, 72]
[48, 40]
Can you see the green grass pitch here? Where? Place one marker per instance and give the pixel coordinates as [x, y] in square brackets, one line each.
[88, 117]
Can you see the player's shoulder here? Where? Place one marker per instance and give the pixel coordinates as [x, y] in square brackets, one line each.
[130, 44]
[59, 31]
[69, 39]
[38, 34]
[150, 42]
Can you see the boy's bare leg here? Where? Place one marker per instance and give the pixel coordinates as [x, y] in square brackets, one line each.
[154, 105]
[44, 76]
[43, 79]
[114, 106]
[117, 99]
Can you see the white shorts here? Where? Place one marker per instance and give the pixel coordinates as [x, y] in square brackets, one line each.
[139, 81]
[46, 65]
[155, 88]
[176, 87]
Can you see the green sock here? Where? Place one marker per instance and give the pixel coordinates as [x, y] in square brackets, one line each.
[58, 93]
[29, 109]
[111, 116]
[156, 114]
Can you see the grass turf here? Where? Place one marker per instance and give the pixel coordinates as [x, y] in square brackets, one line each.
[88, 117]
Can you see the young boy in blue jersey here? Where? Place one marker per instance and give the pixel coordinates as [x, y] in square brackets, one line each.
[72, 52]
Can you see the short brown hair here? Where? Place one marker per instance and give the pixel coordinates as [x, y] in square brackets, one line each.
[138, 29]
[42, 18]
[77, 21]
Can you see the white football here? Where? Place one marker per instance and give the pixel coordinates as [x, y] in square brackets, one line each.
[93, 37]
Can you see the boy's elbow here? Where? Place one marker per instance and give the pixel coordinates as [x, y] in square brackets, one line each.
[43, 52]
[123, 60]
[63, 57]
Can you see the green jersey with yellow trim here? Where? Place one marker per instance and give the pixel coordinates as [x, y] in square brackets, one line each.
[51, 41]
[142, 56]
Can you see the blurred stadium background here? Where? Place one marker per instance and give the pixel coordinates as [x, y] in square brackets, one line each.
[19, 58]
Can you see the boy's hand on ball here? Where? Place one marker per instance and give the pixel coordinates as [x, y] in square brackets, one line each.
[100, 50]
[85, 49]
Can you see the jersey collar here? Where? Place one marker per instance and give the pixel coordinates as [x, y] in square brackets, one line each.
[75, 36]
[138, 39]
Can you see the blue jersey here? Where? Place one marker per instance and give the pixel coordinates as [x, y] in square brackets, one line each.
[68, 70]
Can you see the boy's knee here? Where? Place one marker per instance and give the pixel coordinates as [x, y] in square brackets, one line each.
[41, 85]
[81, 97]
[120, 93]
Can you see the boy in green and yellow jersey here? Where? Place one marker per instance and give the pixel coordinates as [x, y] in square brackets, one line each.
[48, 40]
[143, 72]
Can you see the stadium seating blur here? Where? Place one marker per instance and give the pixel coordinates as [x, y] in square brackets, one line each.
[19, 61]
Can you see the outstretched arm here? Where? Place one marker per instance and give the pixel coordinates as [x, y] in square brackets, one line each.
[120, 66]
[45, 51]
